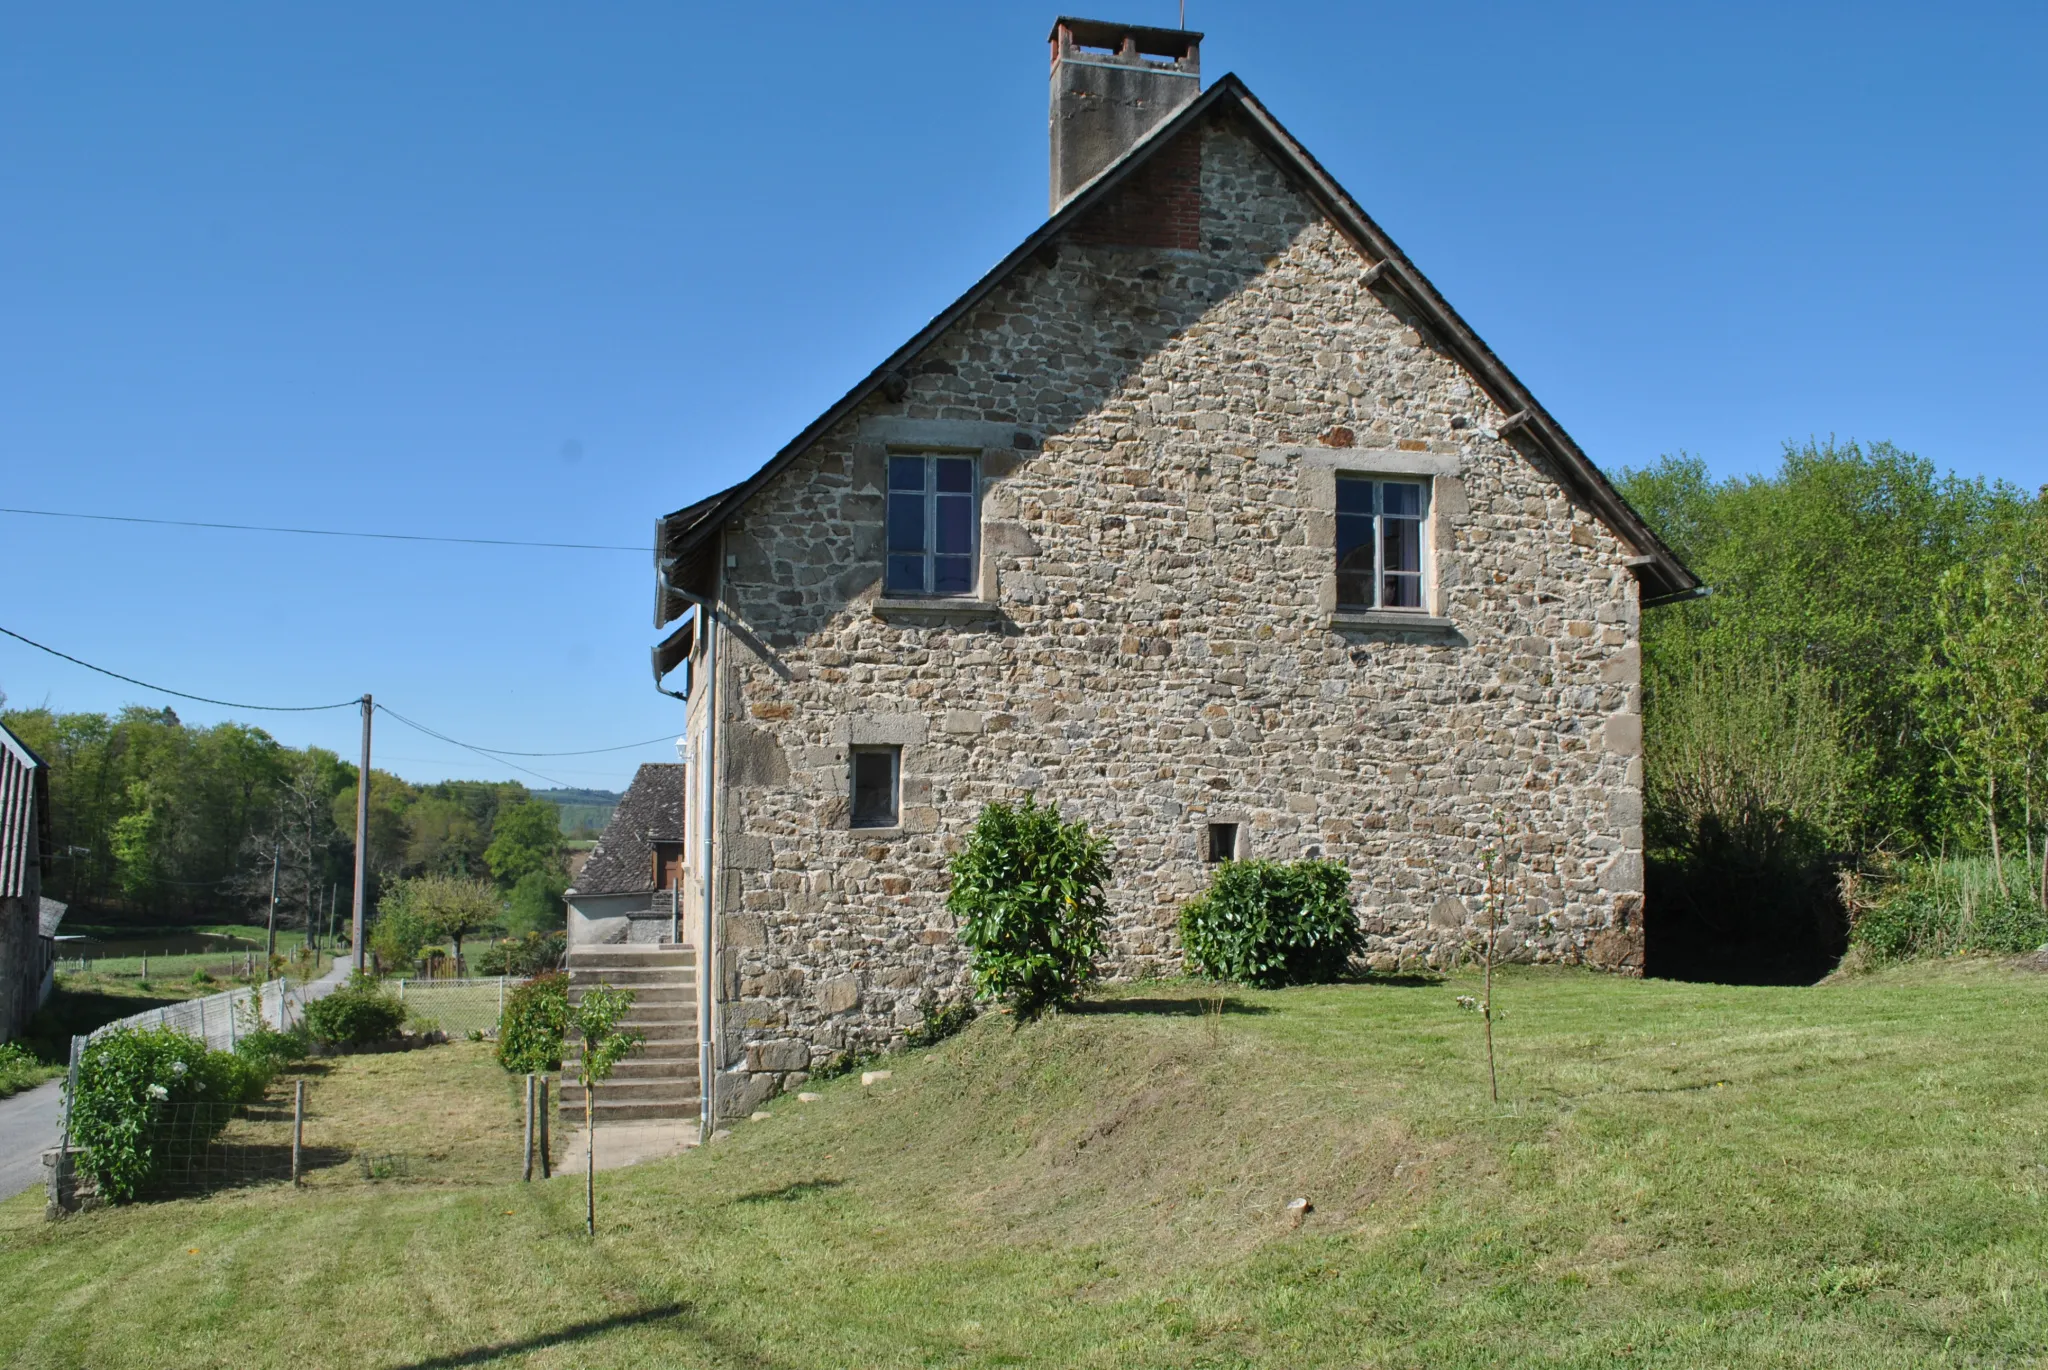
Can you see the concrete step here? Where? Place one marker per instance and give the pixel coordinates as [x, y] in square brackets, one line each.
[630, 958]
[632, 977]
[634, 1091]
[637, 1067]
[603, 1113]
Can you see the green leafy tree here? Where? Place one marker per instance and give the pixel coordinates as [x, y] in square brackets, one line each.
[451, 907]
[527, 840]
[1984, 687]
[535, 904]
[1028, 891]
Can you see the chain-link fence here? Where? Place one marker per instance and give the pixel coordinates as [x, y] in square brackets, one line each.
[219, 1019]
[460, 1008]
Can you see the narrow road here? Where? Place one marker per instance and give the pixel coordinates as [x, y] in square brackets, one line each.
[31, 1121]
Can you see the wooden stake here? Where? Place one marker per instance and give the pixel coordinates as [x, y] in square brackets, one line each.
[298, 1129]
[547, 1165]
[589, 1162]
[528, 1175]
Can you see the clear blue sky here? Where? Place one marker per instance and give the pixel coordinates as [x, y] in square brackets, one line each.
[548, 271]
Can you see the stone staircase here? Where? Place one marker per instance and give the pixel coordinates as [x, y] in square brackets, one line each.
[659, 1078]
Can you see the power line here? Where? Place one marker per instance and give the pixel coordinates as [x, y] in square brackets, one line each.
[491, 753]
[328, 532]
[423, 728]
[165, 690]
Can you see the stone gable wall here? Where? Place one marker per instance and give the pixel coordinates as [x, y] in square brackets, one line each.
[1156, 649]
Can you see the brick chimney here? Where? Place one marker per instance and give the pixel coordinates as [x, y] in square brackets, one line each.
[1111, 85]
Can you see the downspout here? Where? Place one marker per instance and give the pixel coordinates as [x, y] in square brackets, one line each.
[707, 1074]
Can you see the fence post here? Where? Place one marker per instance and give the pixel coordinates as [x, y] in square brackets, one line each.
[501, 999]
[71, 1085]
[528, 1173]
[298, 1128]
[284, 1003]
[545, 1164]
[401, 991]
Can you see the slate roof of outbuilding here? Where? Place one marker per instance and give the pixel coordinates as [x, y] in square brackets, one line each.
[650, 811]
[682, 538]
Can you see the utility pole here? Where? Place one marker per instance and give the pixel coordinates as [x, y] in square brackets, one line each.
[362, 844]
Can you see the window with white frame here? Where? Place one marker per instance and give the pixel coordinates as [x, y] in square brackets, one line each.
[1379, 542]
[931, 525]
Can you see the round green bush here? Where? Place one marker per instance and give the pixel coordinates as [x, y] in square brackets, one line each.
[1909, 923]
[358, 1014]
[536, 1017]
[2008, 925]
[1028, 891]
[1263, 923]
[146, 1094]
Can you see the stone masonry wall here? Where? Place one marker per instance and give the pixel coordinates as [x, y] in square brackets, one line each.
[1158, 430]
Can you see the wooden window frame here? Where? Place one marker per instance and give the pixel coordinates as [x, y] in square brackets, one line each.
[853, 810]
[1378, 516]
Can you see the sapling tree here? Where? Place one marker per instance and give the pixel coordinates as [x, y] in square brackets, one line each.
[595, 1019]
[1496, 862]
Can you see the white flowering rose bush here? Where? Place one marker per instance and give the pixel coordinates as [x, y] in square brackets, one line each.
[133, 1085]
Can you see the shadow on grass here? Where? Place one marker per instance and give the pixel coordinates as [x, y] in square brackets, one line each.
[789, 1193]
[1168, 1008]
[1399, 979]
[574, 1332]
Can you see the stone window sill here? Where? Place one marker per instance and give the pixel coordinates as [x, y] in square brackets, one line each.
[862, 830]
[1390, 620]
[935, 608]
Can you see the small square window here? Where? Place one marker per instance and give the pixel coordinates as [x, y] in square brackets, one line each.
[1222, 843]
[876, 776]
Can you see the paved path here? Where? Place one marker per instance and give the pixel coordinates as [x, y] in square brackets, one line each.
[31, 1121]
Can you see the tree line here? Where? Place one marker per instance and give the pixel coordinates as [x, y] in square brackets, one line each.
[1866, 687]
[156, 820]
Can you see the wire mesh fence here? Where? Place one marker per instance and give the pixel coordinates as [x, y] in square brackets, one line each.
[304, 1133]
[460, 1008]
[220, 1019]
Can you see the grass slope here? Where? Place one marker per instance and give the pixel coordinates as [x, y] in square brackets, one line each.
[1687, 1175]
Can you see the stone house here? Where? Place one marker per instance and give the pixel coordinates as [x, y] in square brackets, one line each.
[1202, 516]
[625, 890]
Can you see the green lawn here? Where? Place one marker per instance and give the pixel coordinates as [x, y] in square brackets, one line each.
[1679, 1175]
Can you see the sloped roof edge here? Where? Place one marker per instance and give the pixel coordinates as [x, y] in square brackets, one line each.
[1663, 575]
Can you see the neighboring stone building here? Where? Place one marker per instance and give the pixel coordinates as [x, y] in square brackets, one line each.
[25, 948]
[625, 888]
[1203, 517]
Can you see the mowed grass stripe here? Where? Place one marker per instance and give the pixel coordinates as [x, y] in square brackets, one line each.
[1679, 1175]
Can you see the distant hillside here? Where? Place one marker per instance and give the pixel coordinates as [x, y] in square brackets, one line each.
[582, 809]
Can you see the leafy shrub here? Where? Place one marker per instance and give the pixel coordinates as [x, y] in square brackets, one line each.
[1264, 923]
[357, 1014]
[1028, 891]
[2008, 925]
[845, 1063]
[940, 1022]
[145, 1094]
[19, 1069]
[535, 1020]
[400, 930]
[1936, 909]
[528, 955]
[268, 1050]
[1912, 923]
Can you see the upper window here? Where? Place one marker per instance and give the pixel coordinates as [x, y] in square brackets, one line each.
[1379, 543]
[931, 525]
